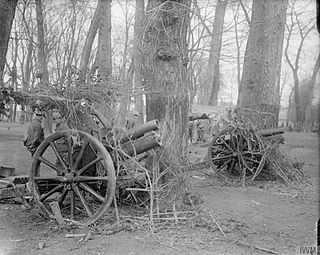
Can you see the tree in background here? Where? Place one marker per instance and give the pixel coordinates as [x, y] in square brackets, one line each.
[137, 53]
[305, 102]
[43, 73]
[307, 113]
[165, 61]
[7, 12]
[104, 56]
[304, 28]
[260, 82]
[101, 23]
[213, 69]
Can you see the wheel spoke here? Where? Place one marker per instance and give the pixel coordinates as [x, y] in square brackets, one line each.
[63, 196]
[233, 164]
[48, 163]
[224, 164]
[252, 160]
[222, 157]
[91, 191]
[82, 199]
[70, 151]
[95, 153]
[232, 142]
[79, 157]
[220, 149]
[90, 164]
[54, 147]
[48, 194]
[226, 144]
[54, 178]
[72, 204]
[91, 178]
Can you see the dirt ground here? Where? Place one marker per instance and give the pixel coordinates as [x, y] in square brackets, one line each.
[267, 217]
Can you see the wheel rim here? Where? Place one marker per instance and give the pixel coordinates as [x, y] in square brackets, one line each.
[78, 175]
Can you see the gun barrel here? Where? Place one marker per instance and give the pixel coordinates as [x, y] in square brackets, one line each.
[139, 131]
[271, 132]
[142, 144]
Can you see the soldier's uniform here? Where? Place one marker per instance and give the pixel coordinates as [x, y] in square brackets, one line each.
[35, 134]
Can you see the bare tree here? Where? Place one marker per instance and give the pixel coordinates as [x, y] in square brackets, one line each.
[137, 53]
[304, 30]
[260, 83]
[43, 73]
[104, 54]
[213, 70]
[90, 38]
[7, 12]
[310, 89]
[164, 69]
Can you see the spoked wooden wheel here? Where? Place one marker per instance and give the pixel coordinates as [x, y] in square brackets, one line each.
[234, 151]
[74, 169]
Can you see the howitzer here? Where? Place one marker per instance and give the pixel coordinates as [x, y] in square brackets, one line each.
[86, 171]
[240, 150]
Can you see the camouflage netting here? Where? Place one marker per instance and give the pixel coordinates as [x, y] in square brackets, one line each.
[247, 154]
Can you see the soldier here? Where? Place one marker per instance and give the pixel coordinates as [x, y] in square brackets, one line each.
[35, 134]
[60, 122]
[200, 131]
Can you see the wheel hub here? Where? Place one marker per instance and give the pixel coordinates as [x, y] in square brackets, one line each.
[69, 177]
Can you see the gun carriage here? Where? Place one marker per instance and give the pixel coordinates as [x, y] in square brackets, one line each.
[81, 171]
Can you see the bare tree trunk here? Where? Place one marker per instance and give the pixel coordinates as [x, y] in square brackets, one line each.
[213, 70]
[104, 54]
[137, 52]
[164, 70]
[124, 105]
[14, 75]
[290, 106]
[307, 122]
[43, 73]
[28, 65]
[260, 83]
[294, 66]
[296, 97]
[89, 40]
[7, 11]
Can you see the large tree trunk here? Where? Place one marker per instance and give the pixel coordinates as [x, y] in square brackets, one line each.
[307, 117]
[137, 53]
[94, 25]
[164, 70]
[259, 88]
[43, 73]
[7, 11]
[104, 54]
[213, 70]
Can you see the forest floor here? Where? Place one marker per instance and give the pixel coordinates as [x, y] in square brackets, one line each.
[263, 218]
